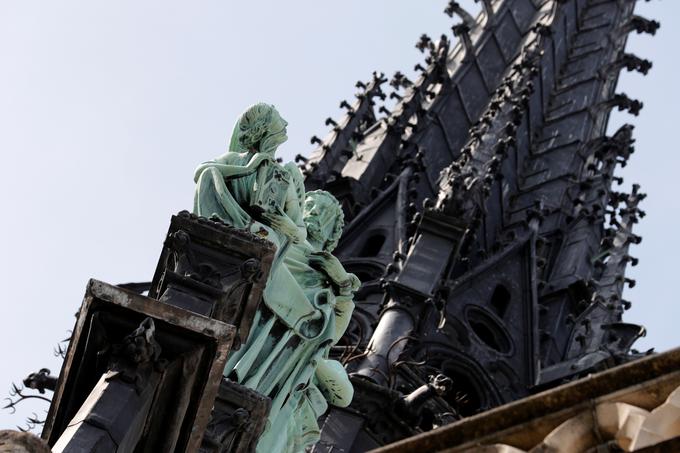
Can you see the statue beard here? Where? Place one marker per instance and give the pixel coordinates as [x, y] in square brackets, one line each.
[314, 231]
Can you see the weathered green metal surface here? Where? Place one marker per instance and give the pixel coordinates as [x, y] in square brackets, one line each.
[308, 297]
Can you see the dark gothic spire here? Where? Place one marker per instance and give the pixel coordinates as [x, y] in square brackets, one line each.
[478, 220]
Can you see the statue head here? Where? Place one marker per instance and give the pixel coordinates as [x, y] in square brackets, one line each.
[324, 219]
[259, 129]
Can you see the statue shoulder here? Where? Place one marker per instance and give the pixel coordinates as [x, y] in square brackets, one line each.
[293, 170]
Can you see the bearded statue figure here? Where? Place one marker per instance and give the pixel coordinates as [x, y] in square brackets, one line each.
[308, 297]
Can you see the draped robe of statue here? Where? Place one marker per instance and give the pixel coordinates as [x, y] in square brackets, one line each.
[235, 201]
[286, 354]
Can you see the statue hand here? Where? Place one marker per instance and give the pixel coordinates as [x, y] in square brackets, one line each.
[329, 265]
[283, 224]
[258, 159]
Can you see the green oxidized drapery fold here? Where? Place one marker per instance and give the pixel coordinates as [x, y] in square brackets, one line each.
[308, 297]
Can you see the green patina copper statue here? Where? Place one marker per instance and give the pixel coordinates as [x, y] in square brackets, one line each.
[308, 297]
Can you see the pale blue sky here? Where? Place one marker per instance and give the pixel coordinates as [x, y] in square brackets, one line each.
[107, 107]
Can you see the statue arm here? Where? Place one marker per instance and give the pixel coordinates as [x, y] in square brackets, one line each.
[232, 171]
[346, 283]
[282, 223]
[295, 197]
